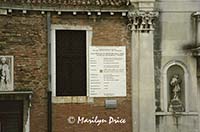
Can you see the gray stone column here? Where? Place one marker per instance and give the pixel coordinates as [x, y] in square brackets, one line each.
[143, 90]
[196, 54]
[198, 84]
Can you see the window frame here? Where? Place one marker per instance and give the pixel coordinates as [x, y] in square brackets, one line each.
[55, 27]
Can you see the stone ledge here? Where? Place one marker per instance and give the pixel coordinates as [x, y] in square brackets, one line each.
[177, 113]
[72, 99]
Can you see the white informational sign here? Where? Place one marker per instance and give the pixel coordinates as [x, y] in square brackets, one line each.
[107, 71]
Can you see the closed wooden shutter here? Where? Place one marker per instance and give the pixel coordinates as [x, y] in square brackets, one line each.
[11, 116]
[70, 63]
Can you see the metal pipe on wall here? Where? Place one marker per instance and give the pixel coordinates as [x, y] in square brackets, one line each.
[49, 93]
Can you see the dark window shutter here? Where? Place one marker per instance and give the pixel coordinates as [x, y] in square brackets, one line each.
[70, 63]
[11, 116]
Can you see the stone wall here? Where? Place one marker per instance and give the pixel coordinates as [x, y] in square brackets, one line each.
[177, 31]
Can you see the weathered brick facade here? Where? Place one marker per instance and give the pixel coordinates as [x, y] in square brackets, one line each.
[25, 37]
[162, 65]
[107, 31]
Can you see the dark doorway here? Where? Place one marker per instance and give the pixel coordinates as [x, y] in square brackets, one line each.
[11, 116]
[70, 63]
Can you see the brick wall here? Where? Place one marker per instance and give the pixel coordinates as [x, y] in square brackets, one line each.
[25, 37]
[107, 31]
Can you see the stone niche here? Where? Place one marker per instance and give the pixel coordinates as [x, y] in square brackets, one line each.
[176, 114]
[176, 89]
[175, 84]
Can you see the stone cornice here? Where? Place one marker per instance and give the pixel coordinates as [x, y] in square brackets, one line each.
[196, 52]
[146, 5]
[142, 20]
[196, 14]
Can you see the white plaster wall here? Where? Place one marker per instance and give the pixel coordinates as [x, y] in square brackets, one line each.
[186, 123]
[176, 32]
[178, 5]
[176, 27]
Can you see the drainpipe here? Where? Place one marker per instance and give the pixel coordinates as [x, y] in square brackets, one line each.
[49, 93]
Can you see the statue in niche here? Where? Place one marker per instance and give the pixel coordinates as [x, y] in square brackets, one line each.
[175, 103]
[5, 78]
[175, 83]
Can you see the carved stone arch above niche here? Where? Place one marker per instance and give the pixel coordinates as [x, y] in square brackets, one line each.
[175, 84]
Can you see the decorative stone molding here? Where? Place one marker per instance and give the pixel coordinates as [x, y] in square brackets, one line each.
[144, 5]
[196, 15]
[142, 21]
[196, 52]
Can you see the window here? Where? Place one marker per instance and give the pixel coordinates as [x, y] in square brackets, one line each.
[69, 60]
[70, 63]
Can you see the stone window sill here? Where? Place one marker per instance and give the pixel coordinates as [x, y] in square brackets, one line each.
[177, 113]
[72, 99]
